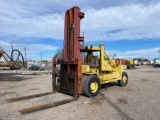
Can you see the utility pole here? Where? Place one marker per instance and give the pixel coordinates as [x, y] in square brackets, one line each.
[25, 54]
[12, 50]
[12, 45]
[41, 57]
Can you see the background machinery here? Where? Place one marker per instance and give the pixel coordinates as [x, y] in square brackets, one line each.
[15, 61]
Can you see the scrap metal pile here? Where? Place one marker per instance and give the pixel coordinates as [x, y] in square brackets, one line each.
[15, 61]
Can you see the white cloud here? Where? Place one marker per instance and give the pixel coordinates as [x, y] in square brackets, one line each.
[135, 21]
[145, 53]
[40, 26]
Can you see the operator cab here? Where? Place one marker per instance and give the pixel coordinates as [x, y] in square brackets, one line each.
[90, 58]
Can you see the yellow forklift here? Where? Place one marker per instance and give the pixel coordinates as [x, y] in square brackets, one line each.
[100, 70]
[81, 71]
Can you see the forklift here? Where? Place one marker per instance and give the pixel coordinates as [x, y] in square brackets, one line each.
[84, 74]
[100, 70]
[81, 72]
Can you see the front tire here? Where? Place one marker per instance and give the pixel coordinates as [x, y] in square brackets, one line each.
[124, 80]
[91, 86]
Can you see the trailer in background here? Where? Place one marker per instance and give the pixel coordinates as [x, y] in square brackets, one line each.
[156, 62]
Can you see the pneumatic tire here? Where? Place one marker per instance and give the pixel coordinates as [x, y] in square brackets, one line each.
[124, 80]
[83, 78]
[91, 86]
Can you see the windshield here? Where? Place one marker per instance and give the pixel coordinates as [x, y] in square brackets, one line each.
[87, 56]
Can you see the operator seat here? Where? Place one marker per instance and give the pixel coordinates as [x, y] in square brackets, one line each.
[94, 62]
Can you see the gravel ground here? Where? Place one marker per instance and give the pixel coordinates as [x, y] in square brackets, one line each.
[140, 100]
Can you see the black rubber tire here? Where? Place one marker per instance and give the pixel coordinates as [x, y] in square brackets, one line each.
[11, 68]
[120, 82]
[86, 85]
[83, 78]
[58, 81]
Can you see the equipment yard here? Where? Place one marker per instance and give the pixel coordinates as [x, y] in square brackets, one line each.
[139, 100]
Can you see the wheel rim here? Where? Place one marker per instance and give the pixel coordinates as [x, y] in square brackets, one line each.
[124, 79]
[94, 86]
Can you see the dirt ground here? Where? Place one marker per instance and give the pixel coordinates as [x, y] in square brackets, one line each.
[139, 100]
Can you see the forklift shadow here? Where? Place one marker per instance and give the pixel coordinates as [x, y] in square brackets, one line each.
[107, 85]
[116, 107]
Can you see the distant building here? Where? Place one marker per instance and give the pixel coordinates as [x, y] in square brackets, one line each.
[145, 62]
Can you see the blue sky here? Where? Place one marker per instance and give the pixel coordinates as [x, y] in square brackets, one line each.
[128, 28]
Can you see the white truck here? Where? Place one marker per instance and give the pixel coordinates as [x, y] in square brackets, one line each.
[136, 63]
[156, 62]
[151, 62]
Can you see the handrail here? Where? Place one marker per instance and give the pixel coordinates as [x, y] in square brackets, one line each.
[110, 60]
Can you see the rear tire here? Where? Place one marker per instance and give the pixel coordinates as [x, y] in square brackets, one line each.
[91, 86]
[124, 80]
